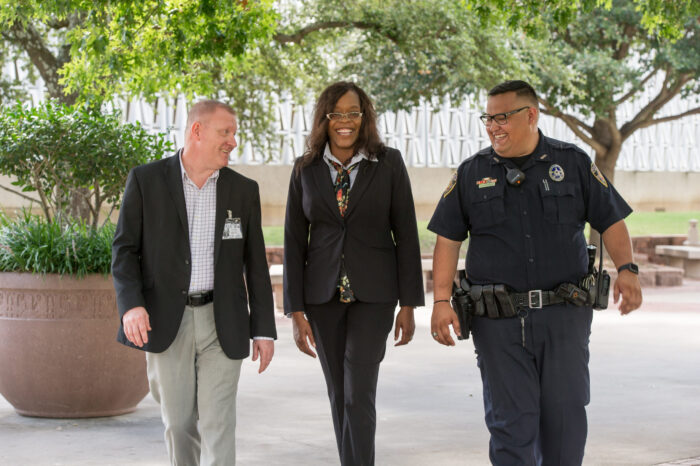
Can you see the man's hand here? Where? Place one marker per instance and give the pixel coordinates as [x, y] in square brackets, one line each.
[627, 285]
[303, 336]
[266, 349]
[405, 325]
[443, 317]
[136, 325]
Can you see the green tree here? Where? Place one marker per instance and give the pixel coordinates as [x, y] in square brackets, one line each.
[53, 150]
[587, 56]
[613, 59]
[586, 63]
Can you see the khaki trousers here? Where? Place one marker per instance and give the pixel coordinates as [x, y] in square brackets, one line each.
[193, 380]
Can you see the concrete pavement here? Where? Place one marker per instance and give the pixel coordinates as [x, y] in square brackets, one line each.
[645, 403]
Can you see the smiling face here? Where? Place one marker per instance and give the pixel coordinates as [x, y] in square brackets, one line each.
[215, 137]
[519, 136]
[343, 134]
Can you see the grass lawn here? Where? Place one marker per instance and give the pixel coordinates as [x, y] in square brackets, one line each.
[639, 224]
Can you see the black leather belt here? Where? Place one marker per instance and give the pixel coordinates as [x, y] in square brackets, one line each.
[535, 299]
[200, 299]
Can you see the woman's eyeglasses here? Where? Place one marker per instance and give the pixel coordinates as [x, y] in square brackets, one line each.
[344, 116]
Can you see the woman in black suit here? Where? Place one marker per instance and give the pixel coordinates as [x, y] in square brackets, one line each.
[351, 252]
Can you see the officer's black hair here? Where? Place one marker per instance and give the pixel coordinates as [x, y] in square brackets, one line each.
[521, 89]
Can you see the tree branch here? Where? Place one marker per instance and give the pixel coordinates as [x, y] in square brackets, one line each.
[694, 111]
[637, 87]
[58, 23]
[18, 193]
[28, 38]
[575, 125]
[550, 110]
[298, 36]
[646, 114]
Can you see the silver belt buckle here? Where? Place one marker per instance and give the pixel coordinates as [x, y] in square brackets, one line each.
[534, 299]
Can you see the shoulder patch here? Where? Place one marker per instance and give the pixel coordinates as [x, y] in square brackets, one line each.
[598, 175]
[451, 185]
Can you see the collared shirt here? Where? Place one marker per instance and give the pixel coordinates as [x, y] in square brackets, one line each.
[328, 157]
[201, 219]
[529, 236]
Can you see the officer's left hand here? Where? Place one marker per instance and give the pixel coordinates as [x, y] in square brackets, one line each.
[266, 349]
[627, 285]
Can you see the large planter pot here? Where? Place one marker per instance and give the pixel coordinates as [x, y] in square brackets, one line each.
[58, 351]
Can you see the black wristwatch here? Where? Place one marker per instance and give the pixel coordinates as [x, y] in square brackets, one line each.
[631, 266]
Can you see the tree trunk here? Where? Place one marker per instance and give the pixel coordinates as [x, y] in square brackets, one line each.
[606, 133]
[79, 208]
[42, 57]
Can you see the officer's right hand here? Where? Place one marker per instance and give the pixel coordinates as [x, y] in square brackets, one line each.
[136, 325]
[443, 317]
[303, 334]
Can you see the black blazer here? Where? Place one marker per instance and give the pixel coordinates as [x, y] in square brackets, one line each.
[151, 258]
[378, 236]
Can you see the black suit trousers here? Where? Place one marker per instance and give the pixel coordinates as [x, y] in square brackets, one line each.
[351, 343]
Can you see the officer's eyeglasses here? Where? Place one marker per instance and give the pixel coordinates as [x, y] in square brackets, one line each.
[343, 116]
[499, 118]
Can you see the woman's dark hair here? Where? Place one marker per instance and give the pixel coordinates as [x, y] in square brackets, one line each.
[368, 139]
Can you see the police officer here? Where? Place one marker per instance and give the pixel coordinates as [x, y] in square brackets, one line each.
[524, 201]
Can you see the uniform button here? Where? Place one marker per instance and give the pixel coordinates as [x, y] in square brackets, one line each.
[527, 236]
[531, 260]
[184, 292]
[524, 212]
[187, 262]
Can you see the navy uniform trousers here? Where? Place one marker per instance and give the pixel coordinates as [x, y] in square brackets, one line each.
[535, 396]
[351, 343]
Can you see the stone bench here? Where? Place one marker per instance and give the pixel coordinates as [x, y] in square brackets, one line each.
[683, 257]
[651, 275]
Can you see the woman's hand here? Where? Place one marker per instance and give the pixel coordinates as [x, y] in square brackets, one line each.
[405, 325]
[303, 334]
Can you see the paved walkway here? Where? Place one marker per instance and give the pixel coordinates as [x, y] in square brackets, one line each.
[645, 406]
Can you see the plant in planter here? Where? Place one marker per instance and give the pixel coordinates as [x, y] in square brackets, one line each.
[58, 354]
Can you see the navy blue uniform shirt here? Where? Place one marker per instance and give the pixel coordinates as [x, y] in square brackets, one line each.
[529, 236]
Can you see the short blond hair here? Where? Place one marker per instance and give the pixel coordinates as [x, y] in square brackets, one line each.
[204, 108]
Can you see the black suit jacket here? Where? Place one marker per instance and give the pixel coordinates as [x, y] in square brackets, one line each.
[151, 262]
[378, 236]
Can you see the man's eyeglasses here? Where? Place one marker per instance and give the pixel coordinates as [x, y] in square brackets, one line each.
[499, 118]
[343, 116]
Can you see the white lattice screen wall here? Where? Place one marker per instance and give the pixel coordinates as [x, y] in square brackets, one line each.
[445, 137]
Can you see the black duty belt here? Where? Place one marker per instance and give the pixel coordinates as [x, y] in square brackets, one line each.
[200, 299]
[535, 299]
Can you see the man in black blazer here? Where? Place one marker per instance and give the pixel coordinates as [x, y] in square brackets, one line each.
[192, 283]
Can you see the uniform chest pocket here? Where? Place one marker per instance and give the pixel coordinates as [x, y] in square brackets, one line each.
[487, 207]
[559, 203]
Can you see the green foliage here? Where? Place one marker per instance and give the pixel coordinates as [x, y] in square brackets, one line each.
[660, 18]
[29, 243]
[56, 152]
[610, 53]
[146, 47]
[423, 49]
[246, 52]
